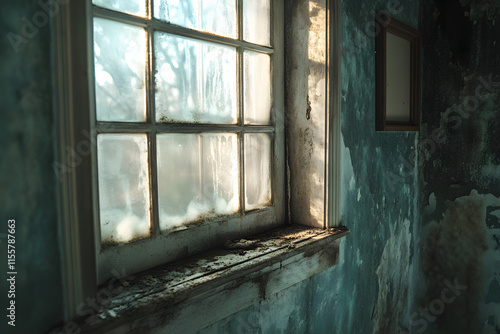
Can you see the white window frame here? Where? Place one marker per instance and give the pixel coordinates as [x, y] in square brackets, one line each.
[74, 94]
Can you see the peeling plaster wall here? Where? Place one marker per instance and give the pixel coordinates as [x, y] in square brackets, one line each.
[27, 181]
[459, 172]
[380, 253]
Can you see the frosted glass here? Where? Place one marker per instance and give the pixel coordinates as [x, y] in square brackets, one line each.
[257, 171]
[214, 16]
[257, 85]
[123, 187]
[198, 177]
[134, 7]
[195, 81]
[257, 21]
[120, 65]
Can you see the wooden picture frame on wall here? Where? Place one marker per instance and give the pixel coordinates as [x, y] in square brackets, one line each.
[397, 62]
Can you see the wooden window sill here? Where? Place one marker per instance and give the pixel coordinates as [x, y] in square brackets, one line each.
[188, 295]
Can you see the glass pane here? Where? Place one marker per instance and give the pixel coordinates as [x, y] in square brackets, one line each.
[257, 21]
[120, 66]
[257, 76]
[198, 177]
[134, 7]
[195, 81]
[257, 171]
[123, 187]
[215, 16]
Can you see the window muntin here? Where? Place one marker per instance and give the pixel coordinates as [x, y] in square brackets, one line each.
[204, 100]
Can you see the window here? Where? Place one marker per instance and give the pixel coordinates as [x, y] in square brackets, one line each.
[167, 97]
[187, 124]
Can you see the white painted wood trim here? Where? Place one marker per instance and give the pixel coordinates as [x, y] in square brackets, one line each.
[334, 126]
[71, 105]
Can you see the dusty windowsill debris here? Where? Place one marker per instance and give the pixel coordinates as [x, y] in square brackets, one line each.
[166, 286]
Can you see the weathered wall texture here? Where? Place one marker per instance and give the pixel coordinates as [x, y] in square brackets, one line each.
[27, 182]
[370, 290]
[460, 290]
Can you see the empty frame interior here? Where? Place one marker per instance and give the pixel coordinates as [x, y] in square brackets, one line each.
[397, 82]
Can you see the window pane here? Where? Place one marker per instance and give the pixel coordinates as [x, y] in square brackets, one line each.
[134, 7]
[123, 187]
[215, 16]
[257, 76]
[195, 81]
[198, 177]
[120, 62]
[257, 171]
[257, 21]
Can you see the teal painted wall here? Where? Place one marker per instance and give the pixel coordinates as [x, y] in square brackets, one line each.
[27, 182]
[460, 174]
